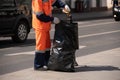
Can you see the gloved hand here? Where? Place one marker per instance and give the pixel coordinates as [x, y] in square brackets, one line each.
[66, 9]
[56, 20]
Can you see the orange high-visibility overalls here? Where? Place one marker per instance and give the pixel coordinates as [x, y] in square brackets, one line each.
[42, 29]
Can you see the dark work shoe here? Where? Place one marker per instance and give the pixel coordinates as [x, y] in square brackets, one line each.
[44, 68]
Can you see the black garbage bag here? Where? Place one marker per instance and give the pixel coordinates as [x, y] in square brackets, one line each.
[67, 34]
[65, 44]
[61, 60]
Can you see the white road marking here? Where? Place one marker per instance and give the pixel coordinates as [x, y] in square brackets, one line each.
[96, 24]
[94, 21]
[81, 47]
[21, 53]
[31, 52]
[84, 36]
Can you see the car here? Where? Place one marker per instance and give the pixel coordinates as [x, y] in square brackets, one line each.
[116, 10]
[15, 19]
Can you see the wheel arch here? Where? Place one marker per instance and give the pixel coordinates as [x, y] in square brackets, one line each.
[22, 18]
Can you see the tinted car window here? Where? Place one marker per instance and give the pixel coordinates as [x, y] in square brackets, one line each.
[4, 3]
[23, 2]
[24, 5]
[117, 2]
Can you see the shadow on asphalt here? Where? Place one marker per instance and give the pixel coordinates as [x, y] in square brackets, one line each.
[96, 68]
[9, 43]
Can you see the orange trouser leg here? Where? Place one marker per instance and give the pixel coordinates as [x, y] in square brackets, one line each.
[43, 42]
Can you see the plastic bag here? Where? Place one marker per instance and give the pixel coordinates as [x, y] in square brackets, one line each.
[65, 44]
[67, 34]
[61, 60]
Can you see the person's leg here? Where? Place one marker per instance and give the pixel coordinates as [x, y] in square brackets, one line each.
[48, 46]
[39, 60]
[47, 56]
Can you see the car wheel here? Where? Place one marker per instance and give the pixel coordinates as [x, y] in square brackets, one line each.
[117, 19]
[21, 32]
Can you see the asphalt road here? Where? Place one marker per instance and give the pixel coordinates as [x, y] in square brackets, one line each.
[94, 36]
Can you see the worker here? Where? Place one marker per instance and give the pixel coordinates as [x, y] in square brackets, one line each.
[41, 22]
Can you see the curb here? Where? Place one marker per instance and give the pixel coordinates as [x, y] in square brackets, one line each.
[86, 16]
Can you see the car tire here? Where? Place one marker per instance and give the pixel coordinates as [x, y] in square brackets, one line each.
[21, 32]
[117, 19]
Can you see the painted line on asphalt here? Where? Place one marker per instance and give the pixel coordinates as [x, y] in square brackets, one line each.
[81, 47]
[31, 52]
[83, 25]
[95, 21]
[21, 53]
[96, 24]
[97, 34]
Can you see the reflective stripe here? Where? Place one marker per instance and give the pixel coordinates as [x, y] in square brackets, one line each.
[37, 13]
[39, 51]
[54, 2]
[48, 49]
[45, 1]
[48, 0]
[50, 14]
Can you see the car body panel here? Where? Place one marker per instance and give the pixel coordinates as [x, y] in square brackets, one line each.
[116, 10]
[11, 12]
